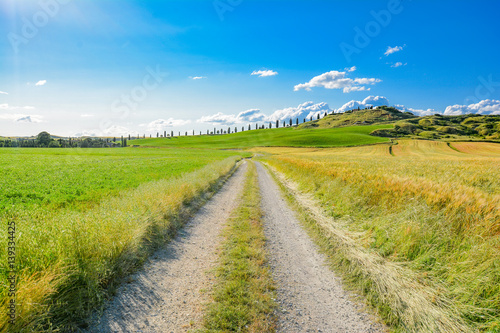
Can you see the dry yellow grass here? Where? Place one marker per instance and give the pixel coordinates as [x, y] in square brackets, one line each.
[487, 149]
[427, 205]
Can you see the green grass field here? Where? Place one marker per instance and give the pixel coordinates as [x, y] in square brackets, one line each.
[280, 137]
[85, 217]
[57, 178]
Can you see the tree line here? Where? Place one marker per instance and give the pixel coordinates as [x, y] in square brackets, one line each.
[45, 140]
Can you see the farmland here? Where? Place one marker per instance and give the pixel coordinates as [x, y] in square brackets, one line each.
[56, 178]
[276, 137]
[84, 218]
[429, 206]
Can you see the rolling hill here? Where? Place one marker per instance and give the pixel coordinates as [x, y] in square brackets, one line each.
[277, 137]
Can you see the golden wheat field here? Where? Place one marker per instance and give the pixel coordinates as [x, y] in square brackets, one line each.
[432, 206]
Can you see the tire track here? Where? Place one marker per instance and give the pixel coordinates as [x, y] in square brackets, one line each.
[167, 295]
[310, 296]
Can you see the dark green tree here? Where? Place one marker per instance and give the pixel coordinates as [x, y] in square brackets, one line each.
[43, 139]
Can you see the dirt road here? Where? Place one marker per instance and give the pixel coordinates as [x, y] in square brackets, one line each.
[167, 294]
[310, 296]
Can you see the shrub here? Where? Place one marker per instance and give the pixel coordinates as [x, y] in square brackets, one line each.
[385, 133]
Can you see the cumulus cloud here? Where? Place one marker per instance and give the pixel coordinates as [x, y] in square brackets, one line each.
[350, 69]
[197, 77]
[264, 73]
[3, 93]
[8, 107]
[391, 50]
[252, 115]
[379, 101]
[22, 118]
[84, 133]
[338, 80]
[398, 64]
[29, 119]
[41, 83]
[485, 107]
[117, 130]
[160, 125]
[368, 101]
[417, 112]
[112, 131]
[305, 110]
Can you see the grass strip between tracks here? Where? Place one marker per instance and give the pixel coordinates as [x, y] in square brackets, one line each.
[243, 297]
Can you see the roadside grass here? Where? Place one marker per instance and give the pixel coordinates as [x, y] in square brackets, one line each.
[243, 294]
[276, 137]
[70, 261]
[417, 233]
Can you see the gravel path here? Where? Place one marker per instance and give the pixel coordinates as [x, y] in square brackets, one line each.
[310, 296]
[167, 294]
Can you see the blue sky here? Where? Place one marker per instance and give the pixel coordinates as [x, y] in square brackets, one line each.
[75, 67]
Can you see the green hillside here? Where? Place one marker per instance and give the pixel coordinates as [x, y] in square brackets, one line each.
[463, 127]
[278, 137]
[382, 114]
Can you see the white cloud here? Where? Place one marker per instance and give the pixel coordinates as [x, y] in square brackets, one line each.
[305, 110]
[398, 64]
[22, 118]
[3, 93]
[87, 115]
[29, 119]
[41, 83]
[379, 101]
[349, 89]
[485, 107]
[368, 101]
[112, 131]
[350, 69]
[391, 50]
[252, 115]
[160, 125]
[84, 133]
[417, 112]
[7, 107]
[338, 80]
[264, 73]
[117, 130]
[197, 77]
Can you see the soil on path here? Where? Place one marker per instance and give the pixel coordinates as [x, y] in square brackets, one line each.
[167, 295]
[310, 296]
